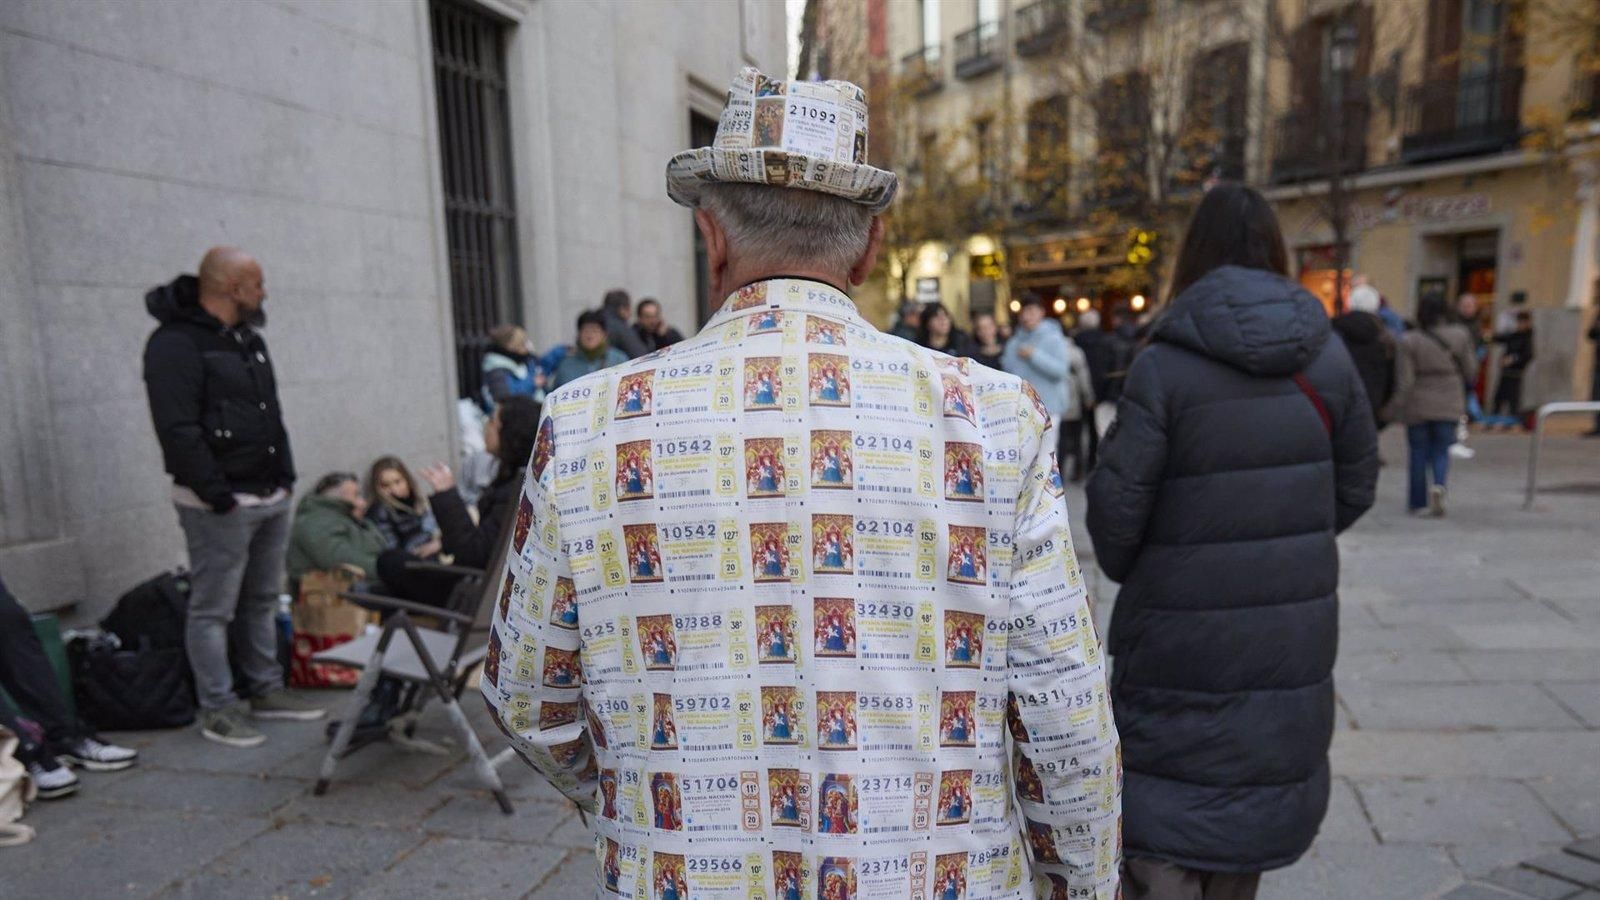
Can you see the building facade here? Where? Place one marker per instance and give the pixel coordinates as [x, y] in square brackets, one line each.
[1442, 146]
[408, 173]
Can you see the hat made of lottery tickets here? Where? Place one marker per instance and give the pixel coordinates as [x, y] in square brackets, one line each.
[799, 134]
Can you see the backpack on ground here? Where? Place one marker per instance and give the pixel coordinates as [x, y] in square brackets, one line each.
[136, 674]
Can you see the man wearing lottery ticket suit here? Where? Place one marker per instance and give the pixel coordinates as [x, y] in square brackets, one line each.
[832, 639]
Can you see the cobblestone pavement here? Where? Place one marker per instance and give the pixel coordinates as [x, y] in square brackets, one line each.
[1468, 743]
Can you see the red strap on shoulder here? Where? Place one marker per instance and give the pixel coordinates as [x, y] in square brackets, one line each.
[1304, 384]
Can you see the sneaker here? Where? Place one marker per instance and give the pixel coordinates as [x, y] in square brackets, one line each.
[1462, 451]
[226, 726]
[53, 783]
[96, 756]
[284, 705]
[1436, 500]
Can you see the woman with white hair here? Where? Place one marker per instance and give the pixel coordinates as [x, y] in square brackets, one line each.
[1371, 346]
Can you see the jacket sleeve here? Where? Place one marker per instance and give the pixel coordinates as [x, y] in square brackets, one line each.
[347, 543]
[1133, 457]
[462, 538]
[522, 642]
[498, 384]
[1050, 357]
[1056, 677]
[1082, 380]
[1355, 446]
[174, 379]
[1467, 360]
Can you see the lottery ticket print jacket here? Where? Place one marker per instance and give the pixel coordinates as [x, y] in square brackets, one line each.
[792, 608]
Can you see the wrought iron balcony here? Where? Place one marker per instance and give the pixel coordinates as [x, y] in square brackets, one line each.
[923, 69]
[1107, 15]
[1040, 26]
[1465, 116]
[1312, 144]
[978, 50]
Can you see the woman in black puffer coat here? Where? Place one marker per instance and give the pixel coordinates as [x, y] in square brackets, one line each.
[1243, 444]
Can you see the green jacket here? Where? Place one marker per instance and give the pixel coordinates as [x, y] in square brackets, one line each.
[325, 535]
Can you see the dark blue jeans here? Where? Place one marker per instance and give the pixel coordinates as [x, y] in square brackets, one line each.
[1430, 448]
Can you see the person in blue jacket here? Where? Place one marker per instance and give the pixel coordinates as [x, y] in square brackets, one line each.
[1038, 352]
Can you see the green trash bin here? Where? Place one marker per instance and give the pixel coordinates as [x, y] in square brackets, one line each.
[48, 628]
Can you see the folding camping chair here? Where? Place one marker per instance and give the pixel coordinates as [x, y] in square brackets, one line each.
[415, 661]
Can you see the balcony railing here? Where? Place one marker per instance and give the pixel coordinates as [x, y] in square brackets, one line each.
[1465, 116]
[1107, 15]
[1586, 101]
[923, 69]
[1040, 25]
[978, 50]
[1312, 144]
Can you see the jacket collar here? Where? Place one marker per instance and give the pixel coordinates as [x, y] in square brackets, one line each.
[797, 294]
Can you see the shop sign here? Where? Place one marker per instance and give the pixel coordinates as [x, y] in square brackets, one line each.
[927, 290]
[1423, 209]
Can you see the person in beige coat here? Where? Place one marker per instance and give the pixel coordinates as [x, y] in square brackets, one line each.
[1432, 370]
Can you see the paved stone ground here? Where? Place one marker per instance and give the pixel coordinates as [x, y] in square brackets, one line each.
[1468, 742]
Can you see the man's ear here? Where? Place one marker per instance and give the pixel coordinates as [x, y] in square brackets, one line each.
[869, 259]
[716, 251]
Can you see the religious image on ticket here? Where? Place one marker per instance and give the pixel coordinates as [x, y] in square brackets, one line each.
[663, 731]
[830, 459]
[635, 394]
[667, 875]
[836, 878]
[775, 627]
[954, 364]
[597, 732]
[1052, 482]
[764, 322]
[658, 645]
[779, 714]
[567, 753]
[833, 544]
[950, 875]
[544, 445]
[783, 789]
[788, 874]
[1042, 838]
[506, 590]
[1029, 785]
[823, 331]
[644, 553]
[635, 476]
[1019, 732]
[608, 793]
[836, 720]
[837, 806]
[564, 604]
[769, 123]
[958, 402]
[967, 561]
[963, 639]
[561, 668]
[763, 388]
[956, 725]
[524, 524]
[555, 715]
[748, 296]
[611, 866]
[769, 551]
[963, 471]
[491, 662]
[955, 797]
[1032, 394]
[828, 379]
[763, 467]
[834, 622]
[665, 801]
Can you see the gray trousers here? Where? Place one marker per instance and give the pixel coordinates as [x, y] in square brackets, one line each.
[236, 566]
[1148, 878]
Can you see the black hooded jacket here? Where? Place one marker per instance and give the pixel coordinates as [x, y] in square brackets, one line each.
[1216, 501]
[213, 400]
[1372, 349]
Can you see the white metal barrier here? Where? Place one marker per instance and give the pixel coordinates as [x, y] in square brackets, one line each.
[1545, 411]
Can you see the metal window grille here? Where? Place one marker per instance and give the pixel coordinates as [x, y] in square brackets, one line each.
[469, 65]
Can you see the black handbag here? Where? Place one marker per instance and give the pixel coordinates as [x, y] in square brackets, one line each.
[131, 689]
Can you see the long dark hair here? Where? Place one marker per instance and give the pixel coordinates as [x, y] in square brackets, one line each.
[1432, 311]
[925, 335]
[418, 503]
[519, 431]
[1233, 226]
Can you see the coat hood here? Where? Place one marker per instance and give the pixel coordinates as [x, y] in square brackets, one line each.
[179, 300]
[1251, 319]
[1359, 327]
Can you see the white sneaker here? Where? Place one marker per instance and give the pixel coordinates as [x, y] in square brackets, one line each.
[97, 756]
[1462, 451]
[1436, 501]
[53, 783]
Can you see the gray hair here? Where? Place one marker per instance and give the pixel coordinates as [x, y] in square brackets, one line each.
[776, 227]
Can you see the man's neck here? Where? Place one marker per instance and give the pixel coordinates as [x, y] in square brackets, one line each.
[736, 280]
[221, 309]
